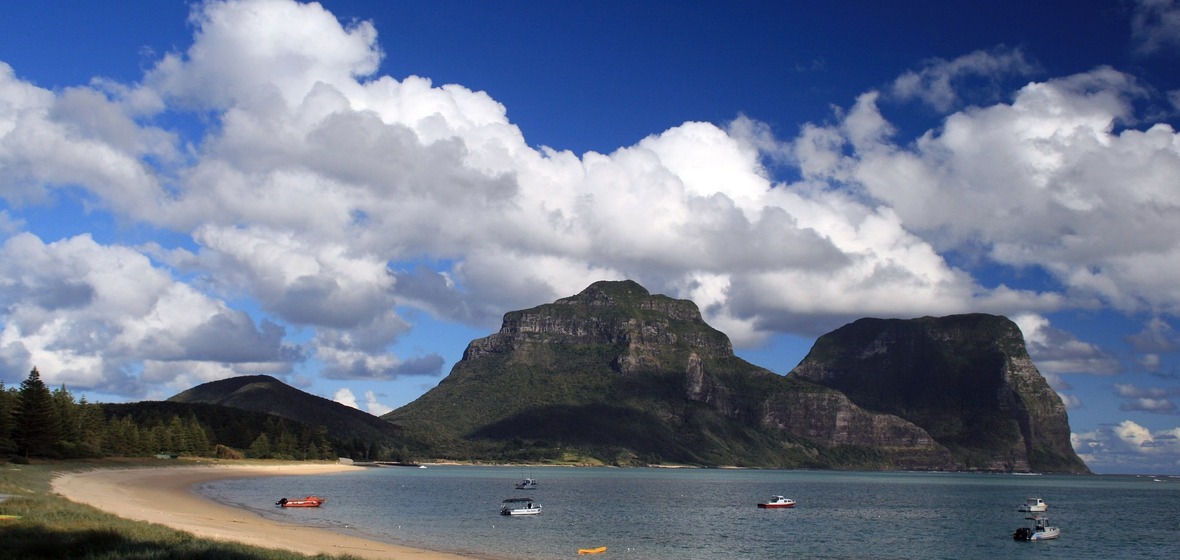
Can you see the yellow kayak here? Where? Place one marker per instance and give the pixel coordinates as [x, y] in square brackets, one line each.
[598, 550]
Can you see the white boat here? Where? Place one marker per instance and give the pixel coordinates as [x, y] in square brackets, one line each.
[777, 502]
[1040, 530]
[520, 506]
[527, 484]
[1034, 505]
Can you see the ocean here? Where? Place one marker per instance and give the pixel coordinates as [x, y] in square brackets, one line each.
[658, 514]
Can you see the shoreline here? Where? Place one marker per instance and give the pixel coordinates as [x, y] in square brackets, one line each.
[165, 495]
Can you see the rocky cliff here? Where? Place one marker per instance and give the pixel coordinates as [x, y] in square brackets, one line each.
[630, 377]
[966, 379]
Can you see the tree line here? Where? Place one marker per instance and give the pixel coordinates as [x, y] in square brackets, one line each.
[36, 422]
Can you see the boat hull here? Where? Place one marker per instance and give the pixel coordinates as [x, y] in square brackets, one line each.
[310, 501]
[776, 506]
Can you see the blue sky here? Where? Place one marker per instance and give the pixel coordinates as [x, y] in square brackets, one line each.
[345, 194]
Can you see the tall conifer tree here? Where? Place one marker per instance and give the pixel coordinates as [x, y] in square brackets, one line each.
[37, 424]
[7, 410]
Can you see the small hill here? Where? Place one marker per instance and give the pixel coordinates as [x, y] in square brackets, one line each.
[224, 425]
[265, 394]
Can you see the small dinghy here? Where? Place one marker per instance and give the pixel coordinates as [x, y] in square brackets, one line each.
[309, 501]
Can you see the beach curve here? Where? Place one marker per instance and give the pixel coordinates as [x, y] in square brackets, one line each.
[165, 495]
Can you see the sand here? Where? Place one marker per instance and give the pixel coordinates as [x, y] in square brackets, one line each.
[166, 496]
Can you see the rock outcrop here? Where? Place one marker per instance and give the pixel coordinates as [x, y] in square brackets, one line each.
[965, 379]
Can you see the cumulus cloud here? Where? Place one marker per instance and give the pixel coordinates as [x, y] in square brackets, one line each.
[374, 406]
[93, 313]
[1157, 337]
[940, 81]
[1129, 448]
[1038, 182]
[1155, 25]
[1151, 399]
[1056, 351]
[345, 397]
[326, 196]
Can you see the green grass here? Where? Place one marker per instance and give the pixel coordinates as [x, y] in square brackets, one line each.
[51, 527]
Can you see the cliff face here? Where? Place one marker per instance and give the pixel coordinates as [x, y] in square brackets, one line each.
[646, 331]
[967, 380]
[621, 373]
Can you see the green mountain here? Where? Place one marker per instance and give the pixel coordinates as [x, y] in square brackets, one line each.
[626, 377]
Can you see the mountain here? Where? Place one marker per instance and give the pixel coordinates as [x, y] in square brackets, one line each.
[627, 377]
[966, 379]
[265, 394]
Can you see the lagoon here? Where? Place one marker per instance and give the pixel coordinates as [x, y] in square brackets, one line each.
[665, 514]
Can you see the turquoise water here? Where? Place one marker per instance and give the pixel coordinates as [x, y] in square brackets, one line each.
[711, 513]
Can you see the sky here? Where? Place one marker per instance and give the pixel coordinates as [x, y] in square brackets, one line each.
[344, 194]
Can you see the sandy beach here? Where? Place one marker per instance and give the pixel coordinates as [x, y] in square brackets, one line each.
[165, 496]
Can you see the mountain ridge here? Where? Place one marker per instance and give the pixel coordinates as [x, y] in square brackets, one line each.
[615, 351]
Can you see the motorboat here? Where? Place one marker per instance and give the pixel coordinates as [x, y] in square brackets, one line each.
[1040, 530]
[520, 506]
[777, 502]
[527, 484]
[309, 501]
[1034, 505]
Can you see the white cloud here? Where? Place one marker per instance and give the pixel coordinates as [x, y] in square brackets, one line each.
[252, 52]
[1056, 351]
[1157, 336]
[345, 397]
[87, 314]
[325, 195]
[1155, 25]
[1152, 399]
[1129, 448]
[1039, 182]
[374, 406]
[939, 82]
[1071, 401]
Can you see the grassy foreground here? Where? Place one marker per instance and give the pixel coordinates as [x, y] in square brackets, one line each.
[51, 527]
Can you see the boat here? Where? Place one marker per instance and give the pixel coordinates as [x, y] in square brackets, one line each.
[520, 506]
[527, 484]
[777, 502]
[595, 550]
[1034, 505]
[309, 501]
[1040, 530]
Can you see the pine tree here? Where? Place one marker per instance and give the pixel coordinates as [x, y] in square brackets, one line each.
[69, 420]
[260, 449]
[198, 438]
[7, 410]
[38, 426]
[94, 426]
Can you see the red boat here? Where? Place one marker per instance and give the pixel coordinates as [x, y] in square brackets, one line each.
[310, 501]
[778, 502]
